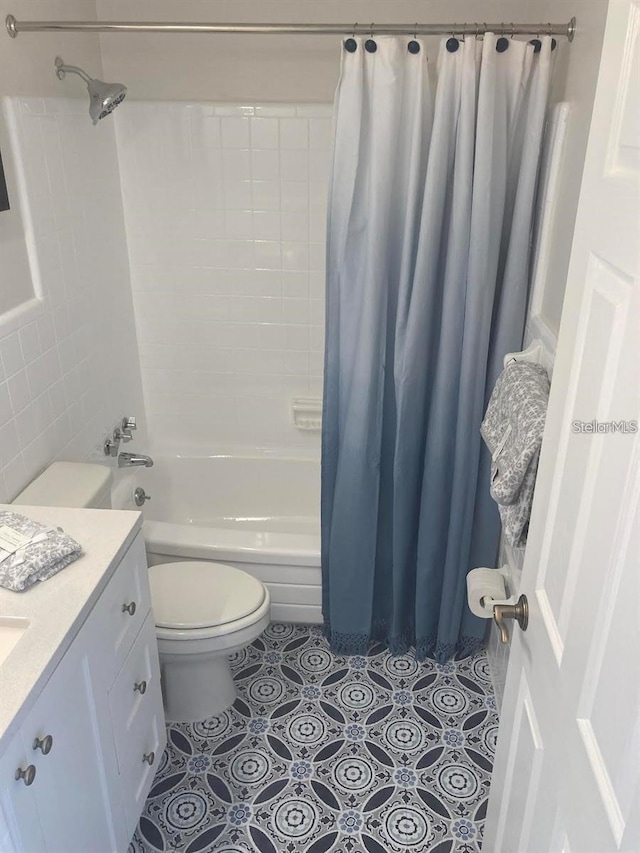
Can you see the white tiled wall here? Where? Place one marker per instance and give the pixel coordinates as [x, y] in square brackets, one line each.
[68, 368]
[225, 208]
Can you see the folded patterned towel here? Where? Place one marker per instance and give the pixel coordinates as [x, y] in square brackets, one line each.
[44, 555]
[512, 430]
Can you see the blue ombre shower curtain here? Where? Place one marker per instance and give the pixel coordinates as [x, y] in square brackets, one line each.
[430, 213]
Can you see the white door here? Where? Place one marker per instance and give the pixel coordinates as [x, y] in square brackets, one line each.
[567, 769]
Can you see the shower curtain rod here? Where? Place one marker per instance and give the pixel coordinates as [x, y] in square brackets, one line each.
[568, 30]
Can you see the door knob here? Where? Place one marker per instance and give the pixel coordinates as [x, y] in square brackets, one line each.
[149, 758]
[140, 686]
[518, 611]
[129, 608]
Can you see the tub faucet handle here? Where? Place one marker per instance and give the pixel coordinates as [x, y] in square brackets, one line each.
[140, 496]
[112, 444]
[128, 425]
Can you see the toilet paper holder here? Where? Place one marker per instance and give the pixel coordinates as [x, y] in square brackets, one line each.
[518, 611]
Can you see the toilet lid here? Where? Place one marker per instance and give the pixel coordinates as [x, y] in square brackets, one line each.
[202, 594]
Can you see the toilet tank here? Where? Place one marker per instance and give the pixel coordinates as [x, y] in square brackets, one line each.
[76, 484]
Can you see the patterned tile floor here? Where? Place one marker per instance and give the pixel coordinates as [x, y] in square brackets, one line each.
[373, 754]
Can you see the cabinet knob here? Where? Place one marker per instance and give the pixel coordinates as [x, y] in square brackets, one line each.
[27, 775]
[149, 757]
[44, 745]
[140, 686]
[129, 608]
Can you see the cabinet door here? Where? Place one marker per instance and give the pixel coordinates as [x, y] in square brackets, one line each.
[138, 721]
[19, 825]
[70, 789]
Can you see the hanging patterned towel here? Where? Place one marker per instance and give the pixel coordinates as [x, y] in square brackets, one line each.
[44, 553]
[512, 430]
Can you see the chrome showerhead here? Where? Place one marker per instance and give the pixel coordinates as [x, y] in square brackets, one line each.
[103, 97]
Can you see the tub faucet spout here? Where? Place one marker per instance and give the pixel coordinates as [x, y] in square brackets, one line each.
[134, 460]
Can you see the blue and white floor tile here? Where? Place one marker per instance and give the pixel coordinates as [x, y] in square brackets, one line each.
[320, 752]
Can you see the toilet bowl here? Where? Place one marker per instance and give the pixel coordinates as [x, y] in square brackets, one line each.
[204, 612]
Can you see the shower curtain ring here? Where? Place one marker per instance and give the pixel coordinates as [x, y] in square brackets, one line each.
[549, 29]
[535, 43]
[350, 44]
[414, 45]
[370, 45]
[513, 29]
[452, 43]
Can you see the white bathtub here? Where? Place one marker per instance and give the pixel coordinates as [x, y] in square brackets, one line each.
[259, 513]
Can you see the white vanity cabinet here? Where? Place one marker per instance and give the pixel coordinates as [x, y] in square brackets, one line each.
[89, 745]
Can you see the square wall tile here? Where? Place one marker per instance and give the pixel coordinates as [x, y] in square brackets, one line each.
[265, 195]
[235, 132]
[264, 133]
[294, 133]
[236, 164]
[295, 166]
[265, 165]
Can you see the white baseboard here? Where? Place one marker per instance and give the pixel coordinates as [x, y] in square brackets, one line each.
[302, 614]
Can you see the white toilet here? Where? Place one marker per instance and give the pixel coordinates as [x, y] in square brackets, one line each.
[203, 611]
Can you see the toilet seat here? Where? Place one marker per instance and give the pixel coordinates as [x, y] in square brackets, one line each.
[199, 600]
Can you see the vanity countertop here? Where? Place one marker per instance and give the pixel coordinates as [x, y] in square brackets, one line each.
[57, 608]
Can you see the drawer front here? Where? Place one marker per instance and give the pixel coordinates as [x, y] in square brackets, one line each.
[122, 609]
[136, 696]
